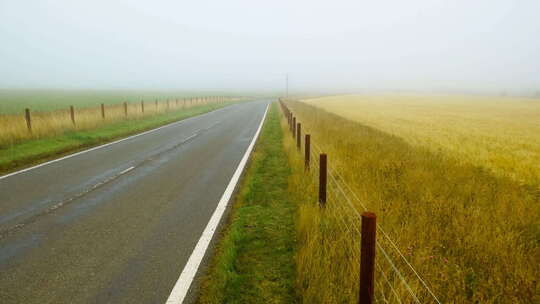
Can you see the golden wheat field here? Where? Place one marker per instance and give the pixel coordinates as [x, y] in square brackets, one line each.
[499, 133]
[454, 228]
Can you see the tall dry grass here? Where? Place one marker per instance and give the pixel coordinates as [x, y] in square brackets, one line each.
[13, 128]
[472, 236]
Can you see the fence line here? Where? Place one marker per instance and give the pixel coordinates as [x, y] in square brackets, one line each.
[37, 124]
[339, 185]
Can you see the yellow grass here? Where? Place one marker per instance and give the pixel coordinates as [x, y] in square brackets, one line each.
[499, 133]
[13, 128]
[471, 234]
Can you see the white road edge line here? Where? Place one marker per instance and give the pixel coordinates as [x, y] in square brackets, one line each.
[181, 287]
[107, 144]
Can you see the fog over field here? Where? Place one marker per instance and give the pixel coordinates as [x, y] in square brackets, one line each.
[339, 45]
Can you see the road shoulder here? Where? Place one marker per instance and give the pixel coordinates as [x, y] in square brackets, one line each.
[254, 258]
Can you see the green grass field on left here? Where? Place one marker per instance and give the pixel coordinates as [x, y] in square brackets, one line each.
[39, 150]
[14, 101]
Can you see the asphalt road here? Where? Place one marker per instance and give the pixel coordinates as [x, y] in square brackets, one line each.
[117, 224]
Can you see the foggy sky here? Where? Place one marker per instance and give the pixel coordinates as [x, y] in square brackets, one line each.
[241, 44]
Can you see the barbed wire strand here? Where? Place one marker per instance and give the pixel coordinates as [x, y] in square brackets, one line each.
[342, 206]
[388, 281]
[380, 247]
[380, 289]
[380, 228]
[341, 219]
[398, 251]
[332, 178]
[396, 270]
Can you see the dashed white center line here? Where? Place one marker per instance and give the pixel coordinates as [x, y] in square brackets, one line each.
[127, 170]
[190, 137]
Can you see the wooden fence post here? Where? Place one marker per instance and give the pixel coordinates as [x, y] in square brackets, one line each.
[367, 258]
[291, 125]
[294, 127]
[28, 119]
[322, 179]
[125, 109]
[102, 111]
[142, 106]
[307, 151]
[72, 114]
[299, 136]
[157, 105]
[289, 120]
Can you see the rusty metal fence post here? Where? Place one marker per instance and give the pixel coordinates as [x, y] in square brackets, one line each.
[322, 179]
[367, 258]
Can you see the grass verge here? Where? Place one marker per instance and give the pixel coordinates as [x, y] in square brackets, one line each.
[38, 150]
[254, 260]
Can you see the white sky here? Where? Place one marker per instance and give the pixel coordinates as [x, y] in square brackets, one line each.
[346, 45]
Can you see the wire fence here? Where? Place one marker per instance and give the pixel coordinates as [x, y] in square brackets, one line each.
[396, 279]
[15, 128]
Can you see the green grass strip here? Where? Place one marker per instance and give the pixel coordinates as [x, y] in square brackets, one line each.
[38, 150]
[254, 260]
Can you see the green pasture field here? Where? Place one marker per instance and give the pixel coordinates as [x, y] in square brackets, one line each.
[14, 101]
